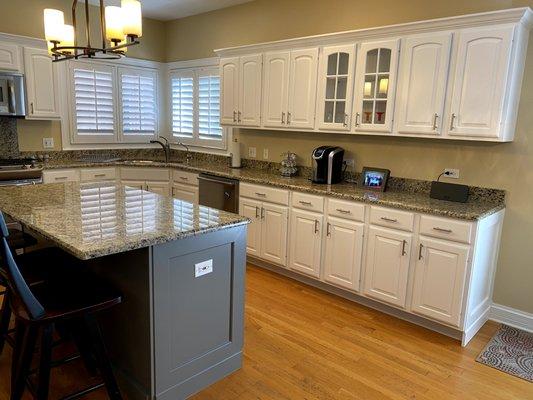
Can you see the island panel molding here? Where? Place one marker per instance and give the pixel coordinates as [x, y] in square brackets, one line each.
[441, 66]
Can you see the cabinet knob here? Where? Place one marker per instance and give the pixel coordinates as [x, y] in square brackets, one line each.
[357, 116]
[435, 117]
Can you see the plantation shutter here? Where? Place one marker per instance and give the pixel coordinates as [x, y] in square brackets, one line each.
[98, 211]
[182, 86]
[209, 105]
[139, 103]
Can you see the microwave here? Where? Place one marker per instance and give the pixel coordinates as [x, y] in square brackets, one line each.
[12, 94]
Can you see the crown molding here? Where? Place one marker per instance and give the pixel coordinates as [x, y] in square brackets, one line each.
[523, 15]
[198, 63]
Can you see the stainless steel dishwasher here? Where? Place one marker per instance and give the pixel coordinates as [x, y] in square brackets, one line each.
[218, 192]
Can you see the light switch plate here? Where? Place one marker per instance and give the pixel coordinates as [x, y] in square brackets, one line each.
[252, 152]
[451, 173]
[203, 268]
[265, 154]
[48, 143]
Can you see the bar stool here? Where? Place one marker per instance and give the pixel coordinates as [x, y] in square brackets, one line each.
[71, 304]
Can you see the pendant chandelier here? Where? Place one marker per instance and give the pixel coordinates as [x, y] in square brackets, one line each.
[120, 28]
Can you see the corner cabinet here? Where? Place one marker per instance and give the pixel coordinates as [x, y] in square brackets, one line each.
[241, 90]
[41, 85]
[375, 88]
[10, 57]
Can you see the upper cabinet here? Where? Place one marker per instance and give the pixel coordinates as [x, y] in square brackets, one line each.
[422, 83]
[335, 87]
[241, 90]
[10, 57]
[41, 85]
[453, 78]
[375, 88]
[480, 81]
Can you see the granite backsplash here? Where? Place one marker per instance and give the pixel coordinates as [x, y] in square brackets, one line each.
[9, 144]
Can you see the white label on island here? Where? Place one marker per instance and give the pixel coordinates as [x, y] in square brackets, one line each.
[203, 268]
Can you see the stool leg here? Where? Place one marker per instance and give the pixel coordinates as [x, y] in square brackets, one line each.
[43, 383]
[20, 330]
[102, 358]
[5, 317]
[24, 362]
[83, 343]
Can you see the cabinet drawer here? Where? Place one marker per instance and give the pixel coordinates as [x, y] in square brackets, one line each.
[458, 231]
[62, 175]
[395, 219]
[188, 178]
[98, 174]
[346, 210]
[271, 195]
[307, 201]
[145, 174]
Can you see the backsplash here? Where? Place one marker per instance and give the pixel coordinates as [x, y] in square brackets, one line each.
[9, 145]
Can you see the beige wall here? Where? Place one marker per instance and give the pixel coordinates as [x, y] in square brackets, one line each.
[508, 166]
[25, 17]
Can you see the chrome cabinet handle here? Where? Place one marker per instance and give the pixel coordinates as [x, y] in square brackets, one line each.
[328, 229]
[316, 225]
[306, 203]
[343, 211]
[345, 123]
[435, 117]
[234, 116]
[238, 116]
[452, 121]
[256, 212]
[420, 251]
[357, 116]
[262, 213]
[99, 175]
[260, 194]
[403, 247]
[282, 117]
[61, 178]
[436, 228]
[288, 117]
[389, 219]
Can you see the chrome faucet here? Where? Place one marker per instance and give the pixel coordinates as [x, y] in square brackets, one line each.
[188, 155]
[165, 146]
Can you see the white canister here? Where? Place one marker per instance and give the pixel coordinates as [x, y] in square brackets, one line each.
[235, 150]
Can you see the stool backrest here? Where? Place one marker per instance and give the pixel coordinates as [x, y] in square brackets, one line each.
[21, 296]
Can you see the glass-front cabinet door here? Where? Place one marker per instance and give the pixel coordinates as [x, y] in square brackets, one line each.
[335, 90]
[376, 68]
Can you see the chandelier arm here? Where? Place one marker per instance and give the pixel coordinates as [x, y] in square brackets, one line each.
[74, 5]
[102, 23]
[87, 27]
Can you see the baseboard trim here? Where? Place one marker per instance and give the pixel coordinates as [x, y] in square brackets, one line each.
[512, 317]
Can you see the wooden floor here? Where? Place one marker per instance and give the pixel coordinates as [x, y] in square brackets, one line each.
[302, 343]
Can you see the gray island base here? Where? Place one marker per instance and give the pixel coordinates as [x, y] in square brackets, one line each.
[180, 267]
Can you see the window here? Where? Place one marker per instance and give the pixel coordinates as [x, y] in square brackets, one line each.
[98, 211]
[93, 106]
[138, 90]
[195, 107]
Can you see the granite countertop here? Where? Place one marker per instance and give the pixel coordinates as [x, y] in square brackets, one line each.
[410, 200]
[96, 219]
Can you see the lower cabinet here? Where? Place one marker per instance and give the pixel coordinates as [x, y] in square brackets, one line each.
[185, 192]
[61, 175]
[162, 188]
[387, 265]
[439, 280]
[305, 242]
[343, 252]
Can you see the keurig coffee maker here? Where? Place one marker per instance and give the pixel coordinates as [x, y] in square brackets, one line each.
[327, 164]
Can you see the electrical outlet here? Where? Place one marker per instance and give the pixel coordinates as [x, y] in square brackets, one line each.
[48, 143]
[265, 154]
[350, 163]
[252, 152]
[451, 173]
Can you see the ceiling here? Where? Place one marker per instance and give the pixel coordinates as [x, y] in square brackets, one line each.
[166, 10]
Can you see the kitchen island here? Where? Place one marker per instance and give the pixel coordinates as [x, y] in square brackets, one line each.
[180, 267]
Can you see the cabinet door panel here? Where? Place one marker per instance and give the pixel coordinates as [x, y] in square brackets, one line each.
[10, 57]
[302, 88]
[375, 89]
[305, 241]
[133, 184]
[344, 246]
[440, 275]
[276, 69]
[250, 71]
[41, 85]
[187, 193]
[229, 90]
[387, 265]
[481, 70]
[274, 233]
[252, 209]
[161, 188]
[422, 88]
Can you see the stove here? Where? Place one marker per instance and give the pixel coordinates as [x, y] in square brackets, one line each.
[20, 171]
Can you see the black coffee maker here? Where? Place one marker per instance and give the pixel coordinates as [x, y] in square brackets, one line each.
[327, 164]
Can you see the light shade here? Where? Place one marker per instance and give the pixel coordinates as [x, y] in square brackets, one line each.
[54, 20]
[132, 15]
[68, 37]
[367, 91]
[383, 85]
[114, 23]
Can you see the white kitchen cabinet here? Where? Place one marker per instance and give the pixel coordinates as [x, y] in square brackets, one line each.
[377, 64]
[305, 242]
[387, 265]
[276, 69]
[141, 185]
[343, 252]
[480, 81]
[185, 192]
[335, 87]
[41, 85]
[61, 175]
[439, 280]
[161, 188]
[423, 74]
[241, 90]
[302, 88]
[10, 57]
[252, 209]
